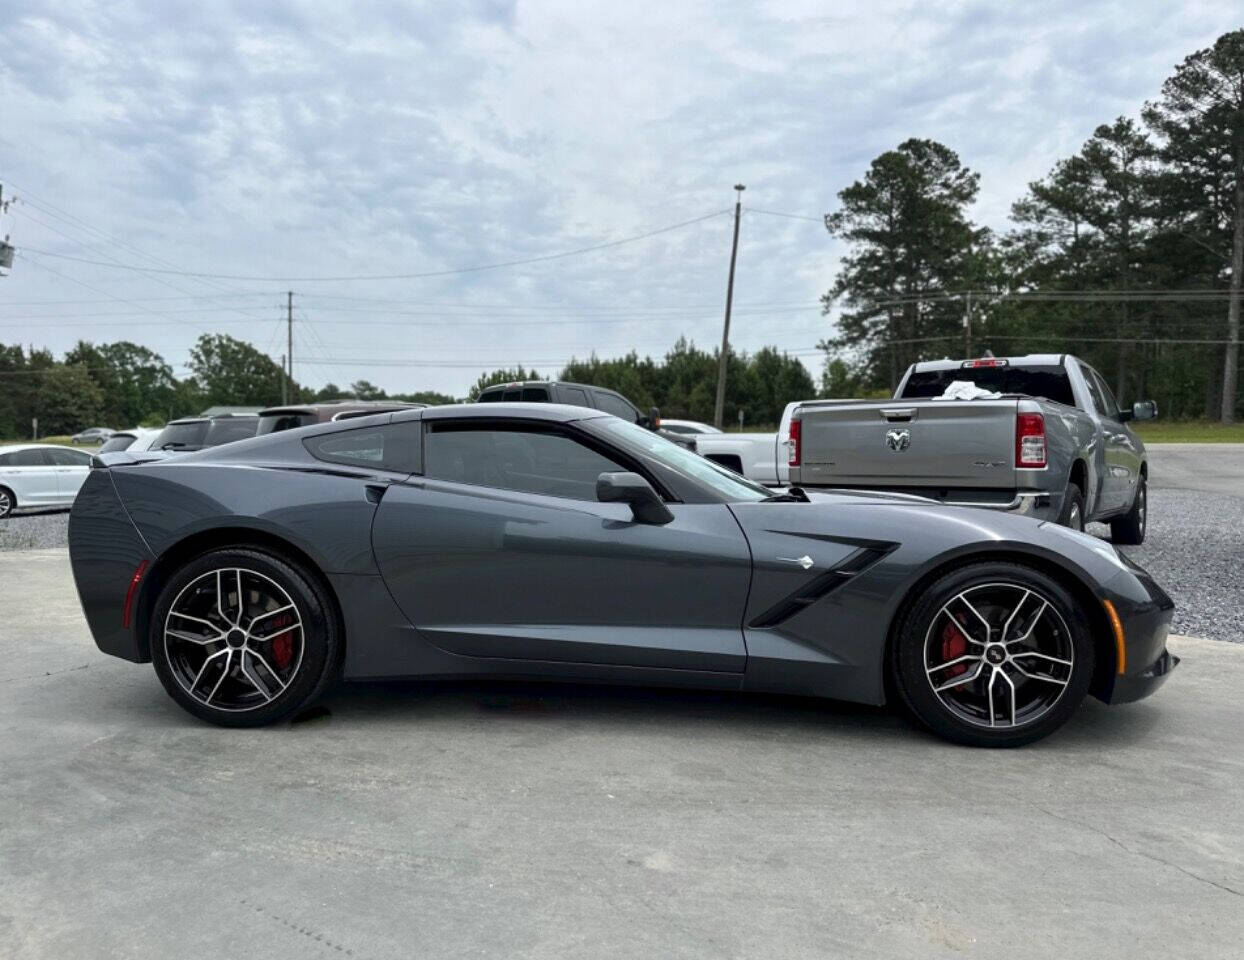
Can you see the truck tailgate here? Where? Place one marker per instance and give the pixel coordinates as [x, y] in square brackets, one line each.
[925, 443]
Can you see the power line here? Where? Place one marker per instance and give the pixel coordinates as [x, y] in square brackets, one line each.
[394, 276]
[788, 216]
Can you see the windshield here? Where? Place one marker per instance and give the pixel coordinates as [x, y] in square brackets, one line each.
[1047, 382]
[181, 436]
[723, 481]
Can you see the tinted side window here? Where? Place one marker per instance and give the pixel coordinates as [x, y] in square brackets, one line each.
[575, 396]
[69, 458]
[1111, 408]
[391, 447]
[490, 396]
[612, 403]
[536, 394]
[1094, 389]
[28, 458]
[528, 459]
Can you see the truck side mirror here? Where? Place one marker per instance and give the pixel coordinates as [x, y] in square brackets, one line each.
[1141, 410]
[646, 505]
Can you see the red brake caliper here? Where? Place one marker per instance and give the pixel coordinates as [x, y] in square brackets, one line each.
[954, 645]
[283, 643]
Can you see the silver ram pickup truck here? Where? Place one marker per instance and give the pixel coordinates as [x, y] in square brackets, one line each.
[1051, 442]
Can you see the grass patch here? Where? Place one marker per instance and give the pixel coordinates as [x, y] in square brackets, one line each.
[1189, 431]
[59, 441]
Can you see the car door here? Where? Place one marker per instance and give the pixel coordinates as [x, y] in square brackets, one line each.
[30, 475]
[500, 549]
[72, 467]
[1120, 450]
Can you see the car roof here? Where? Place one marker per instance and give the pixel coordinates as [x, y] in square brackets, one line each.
[341, 406]
[9, 448]
[1026, 360]
[546, 383]
[553, 412]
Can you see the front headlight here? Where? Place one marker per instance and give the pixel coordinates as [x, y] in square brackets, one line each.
[1096, 544]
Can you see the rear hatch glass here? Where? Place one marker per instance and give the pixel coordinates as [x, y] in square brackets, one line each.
[118, 441]
[1046, 382]
[181, 436]
[275, 423]
[228, 430]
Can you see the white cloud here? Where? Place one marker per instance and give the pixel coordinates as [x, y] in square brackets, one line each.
[333, 139]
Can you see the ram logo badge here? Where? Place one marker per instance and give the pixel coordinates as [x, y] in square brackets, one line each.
[898, 440]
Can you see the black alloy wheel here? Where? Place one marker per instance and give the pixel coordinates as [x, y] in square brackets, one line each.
[242, 637]
[994, 654]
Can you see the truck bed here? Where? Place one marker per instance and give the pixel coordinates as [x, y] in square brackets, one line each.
[956, 446]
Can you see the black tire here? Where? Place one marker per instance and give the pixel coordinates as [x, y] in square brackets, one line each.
[320, 651]
[1073, 508]
[7, 502]
[915, 683]
[1129, 529]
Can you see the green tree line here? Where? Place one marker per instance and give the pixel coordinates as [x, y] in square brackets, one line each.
[1129, 253]
[123, 384]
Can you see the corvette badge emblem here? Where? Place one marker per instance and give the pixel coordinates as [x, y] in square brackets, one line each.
[805, 561]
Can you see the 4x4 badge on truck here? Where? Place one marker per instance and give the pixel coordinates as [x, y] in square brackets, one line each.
[898, 440]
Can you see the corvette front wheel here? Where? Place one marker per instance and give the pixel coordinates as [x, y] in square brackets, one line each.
[242, 637]
[993, 655]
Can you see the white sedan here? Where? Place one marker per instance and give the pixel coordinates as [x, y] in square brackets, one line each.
[40, 475]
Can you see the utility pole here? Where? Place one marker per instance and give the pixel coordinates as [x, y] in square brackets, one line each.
[289, 351]
[284, 383]
[967, 326]
[720, 405]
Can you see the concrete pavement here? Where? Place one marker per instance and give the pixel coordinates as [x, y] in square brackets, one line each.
[474, 820]
[1206, 467]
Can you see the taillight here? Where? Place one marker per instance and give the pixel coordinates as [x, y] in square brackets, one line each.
[796, 428]
[127, 614]
[987, 362]
[1029, 440]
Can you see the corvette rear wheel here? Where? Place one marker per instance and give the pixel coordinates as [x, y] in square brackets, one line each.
[242, 637]
[993, 654]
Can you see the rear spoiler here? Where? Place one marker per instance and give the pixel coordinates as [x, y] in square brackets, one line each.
[123, 458]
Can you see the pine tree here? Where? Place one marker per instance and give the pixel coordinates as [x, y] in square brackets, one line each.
[1200, 118]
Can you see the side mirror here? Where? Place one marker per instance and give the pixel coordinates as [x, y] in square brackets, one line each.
[646, 505]
[1141, 410]
[653, 419]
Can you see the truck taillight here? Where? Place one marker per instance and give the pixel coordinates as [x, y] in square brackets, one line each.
[793, 443]
[1029, 440]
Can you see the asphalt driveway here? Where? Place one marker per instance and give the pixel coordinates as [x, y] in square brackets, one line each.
[475, 820]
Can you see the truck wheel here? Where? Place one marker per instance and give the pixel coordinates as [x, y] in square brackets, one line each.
[1073, 508]
[1130, 528]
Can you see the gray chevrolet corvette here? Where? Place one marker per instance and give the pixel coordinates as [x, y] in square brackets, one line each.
[538, 540]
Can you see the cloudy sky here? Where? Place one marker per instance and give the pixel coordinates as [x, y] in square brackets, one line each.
[321, 143]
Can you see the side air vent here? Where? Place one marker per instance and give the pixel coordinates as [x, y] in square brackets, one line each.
[821, 586]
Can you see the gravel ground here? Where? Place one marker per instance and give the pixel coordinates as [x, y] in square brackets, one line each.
[35, 531]
[1195, 549]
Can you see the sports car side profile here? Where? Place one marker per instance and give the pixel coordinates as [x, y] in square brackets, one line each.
[540, 540]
